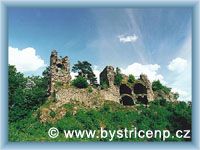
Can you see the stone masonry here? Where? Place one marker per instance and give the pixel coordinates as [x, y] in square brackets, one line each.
[59, 71]
[147, 83]
[107, 76]
[139, 92]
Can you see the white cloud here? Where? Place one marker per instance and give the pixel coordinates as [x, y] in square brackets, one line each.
[73, 75]
[25, 60]
[128, 38]
[151, 70]
[183, 95]
[178, 65]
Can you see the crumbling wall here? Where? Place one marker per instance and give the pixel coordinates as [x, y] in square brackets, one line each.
[147, 83]
[126, 96]
[142, 90]
[59, 71]
[107, 76]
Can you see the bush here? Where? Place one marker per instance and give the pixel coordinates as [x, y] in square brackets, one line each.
[80, 82]
[157, 86]
[90, 90]
[131, 78]
[104, 85]
[52, 114]
[58, 84]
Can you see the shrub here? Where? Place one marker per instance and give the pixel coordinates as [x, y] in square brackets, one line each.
[104, 85]
[156, 86]
[90, 90]
[80, 82]
[69, 123]
[131, 78]
[52, 114]
[118, 77]
[58, 84]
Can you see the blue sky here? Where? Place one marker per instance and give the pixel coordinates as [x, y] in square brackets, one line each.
[156, 41]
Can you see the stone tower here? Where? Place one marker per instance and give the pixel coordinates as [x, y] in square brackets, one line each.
[145, 80]
[59, 71]
[142, 90]
[107, 76]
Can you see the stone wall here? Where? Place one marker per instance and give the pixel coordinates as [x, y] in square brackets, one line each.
[139, 91]
[59, 71]
[107, 76]
[94, 98]
[148, 85]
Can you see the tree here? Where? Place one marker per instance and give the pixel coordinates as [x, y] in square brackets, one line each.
[46, 74]
[16, 84]
[24, 99]
[84, 69]
[118, 77]
[131, 78]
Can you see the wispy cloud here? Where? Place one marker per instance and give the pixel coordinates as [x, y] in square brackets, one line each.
[128, 38]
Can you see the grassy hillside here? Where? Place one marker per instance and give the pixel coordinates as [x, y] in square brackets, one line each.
[111, 116]
[27, 95]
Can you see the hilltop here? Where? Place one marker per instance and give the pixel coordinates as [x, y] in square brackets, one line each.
[118, 102]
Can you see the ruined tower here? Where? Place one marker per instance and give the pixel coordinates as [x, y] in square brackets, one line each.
[142, 90]
[59, 71]
[107, 76]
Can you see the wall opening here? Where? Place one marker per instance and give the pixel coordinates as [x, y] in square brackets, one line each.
[139, 88]
[127, 100]
[142, 99]
[59, 65]
[124, 89]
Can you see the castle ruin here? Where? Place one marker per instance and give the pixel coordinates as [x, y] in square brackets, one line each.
[139, 92]
[107, 76]
[59, 71]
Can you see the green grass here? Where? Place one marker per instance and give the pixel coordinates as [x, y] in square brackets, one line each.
[112, 116]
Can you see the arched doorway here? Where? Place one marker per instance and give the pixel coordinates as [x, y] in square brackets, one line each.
[141, 93]
[139, 88]
[127, 100]
[125, 89]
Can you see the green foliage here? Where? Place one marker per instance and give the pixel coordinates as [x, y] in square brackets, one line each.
[16, 85]
[58, 84]
[157, 86]
[53, 96]
[131, 78]
[104, 85]
[80, 82]
[23, 100]
[90, 90]
[46, 74]
[24, 125]
[118, 77]
[160, 115]
[84, 69]
[176, 95]
[52, 114]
